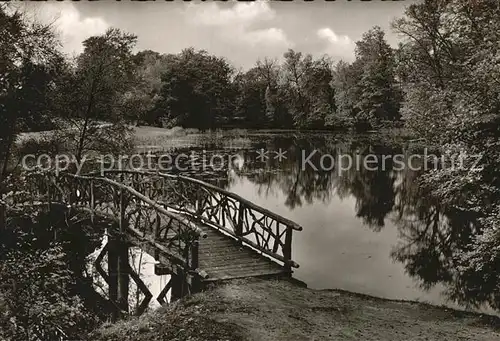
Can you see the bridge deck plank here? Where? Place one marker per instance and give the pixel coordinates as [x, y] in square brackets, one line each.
[223, 258]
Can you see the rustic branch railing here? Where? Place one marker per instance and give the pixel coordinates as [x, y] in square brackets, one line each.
[163, 210]
[251, 224]
[171, 234]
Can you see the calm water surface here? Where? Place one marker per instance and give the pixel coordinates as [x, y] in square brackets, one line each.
[367, 231]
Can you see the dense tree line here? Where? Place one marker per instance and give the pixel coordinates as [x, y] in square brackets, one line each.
[107, 82]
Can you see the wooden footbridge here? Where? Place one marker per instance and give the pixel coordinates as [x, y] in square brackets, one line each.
[197, 232]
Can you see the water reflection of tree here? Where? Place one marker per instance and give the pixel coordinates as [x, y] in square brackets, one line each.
[373, 190]
[299, 184]
[432, 238]
[430, 244]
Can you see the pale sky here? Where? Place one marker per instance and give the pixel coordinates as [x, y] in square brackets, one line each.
[242, 32]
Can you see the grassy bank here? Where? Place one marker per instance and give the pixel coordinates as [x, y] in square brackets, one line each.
[282, 311]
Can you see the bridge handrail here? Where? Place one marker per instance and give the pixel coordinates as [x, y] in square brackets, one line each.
[80, 195]
[235, 196]
[271, 233]
[144, 198]
[136, 194]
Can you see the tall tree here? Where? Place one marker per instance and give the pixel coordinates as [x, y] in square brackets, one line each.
[379, 99]
[104, 72]
[251, 99]
[319, 91]
[28, 59]
[344, 83]
[258, 100]
[276, 107]
[295, 68]
[140, 101]
[307, 87]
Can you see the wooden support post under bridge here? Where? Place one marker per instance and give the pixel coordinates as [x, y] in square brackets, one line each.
[123, 276]
[113, 273]
[118, 264]
[118, 270]
[179, 285]
[123, 264]
[195, 263]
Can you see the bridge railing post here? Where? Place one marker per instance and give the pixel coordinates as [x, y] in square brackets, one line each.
[92, 201]
[287, 249]
[195, 254]
[157, 226]
[199, 205]
[241, 216]
[121, 210]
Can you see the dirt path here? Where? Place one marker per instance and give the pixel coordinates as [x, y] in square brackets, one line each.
[275, 311]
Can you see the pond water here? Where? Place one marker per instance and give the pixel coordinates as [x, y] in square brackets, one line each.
[366, 229]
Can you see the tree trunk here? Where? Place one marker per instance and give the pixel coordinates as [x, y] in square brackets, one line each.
[88, 113]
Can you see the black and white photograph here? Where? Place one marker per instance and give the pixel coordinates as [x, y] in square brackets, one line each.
[250, 170]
